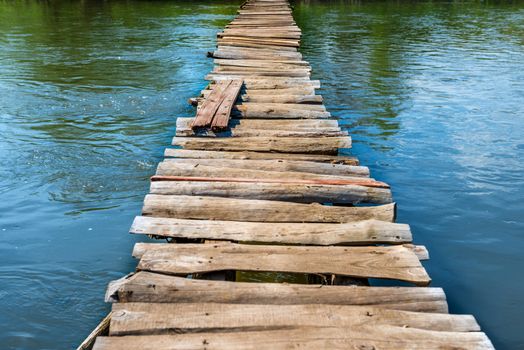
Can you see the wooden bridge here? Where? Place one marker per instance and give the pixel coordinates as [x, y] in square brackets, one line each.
[257, 185]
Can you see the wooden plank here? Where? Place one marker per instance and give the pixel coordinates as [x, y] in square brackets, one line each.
[100, 330]
[247, 44]
[261, 63]
[302, 193]
[393, 262]
[276, 83]
[215, 169]
[241, 73]
[221, 208]
[308, 338]
[155, 318]
[205, 114]
[274, 165]
[360, 232]
[201, 154]
[217, 174]
[269, 34]
[247, 132]
[222, 115]
[305, 90]
[269, 169]
[156, 288]
[282, 99]
[321, 145]
[278, 111]
[260, 124]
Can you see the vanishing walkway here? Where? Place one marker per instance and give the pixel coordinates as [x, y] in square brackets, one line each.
[271, 175]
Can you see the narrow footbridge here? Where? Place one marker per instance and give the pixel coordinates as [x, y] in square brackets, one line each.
[257, 190]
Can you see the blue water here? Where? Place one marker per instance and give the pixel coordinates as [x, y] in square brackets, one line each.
[432, 93]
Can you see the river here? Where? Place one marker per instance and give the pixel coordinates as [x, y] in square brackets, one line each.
[432, 93]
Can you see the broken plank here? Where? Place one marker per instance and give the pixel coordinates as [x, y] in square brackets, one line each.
[205, 114]
[223, 113]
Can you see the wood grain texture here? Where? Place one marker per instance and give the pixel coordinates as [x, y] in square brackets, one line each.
[394, 262]
[294, 192]
[203, 154]
[276, 165]
[157, 288]
[308, 338]
[155, 318]
[222, 208]
[205, 114]
[360, 232]
[323, 145]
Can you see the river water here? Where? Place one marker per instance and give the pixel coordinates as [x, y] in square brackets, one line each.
[432, 93]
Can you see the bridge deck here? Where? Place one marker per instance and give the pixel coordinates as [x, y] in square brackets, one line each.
[267, 192]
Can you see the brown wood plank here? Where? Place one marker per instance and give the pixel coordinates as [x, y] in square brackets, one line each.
[157, 288]
[202, 154]
[223, 113]
[360, 232]
[155, 318]
[307, 338]
[221, 208]
[294, 192]
[272, 165]
[205, 114]
[323, 145]
[393, 262]
[195, 168]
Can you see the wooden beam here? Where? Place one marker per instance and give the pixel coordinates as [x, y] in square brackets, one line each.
[154, 318]
[393, 262]
[157, 288]
[360, 232]
[234, 209]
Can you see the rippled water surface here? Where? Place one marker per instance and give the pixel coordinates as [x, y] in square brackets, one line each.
[433, 94]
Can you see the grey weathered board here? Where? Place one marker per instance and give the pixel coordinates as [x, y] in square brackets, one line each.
[273, 175]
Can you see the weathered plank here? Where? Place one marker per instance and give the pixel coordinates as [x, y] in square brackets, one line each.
[308, 338]
[205, 114]
[275, 83]
[260, 124]
[279, 111]
[157, 288]
[233, 209]
[282, 98]
[294, 192]
[222, 115]
[321, 145]
[393, 262]
[262, 63]
[202, 154]
[155, 318]
[360, 232]
[274, 165]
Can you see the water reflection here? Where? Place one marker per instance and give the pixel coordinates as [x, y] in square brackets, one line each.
[90, 94]
[432, 94]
